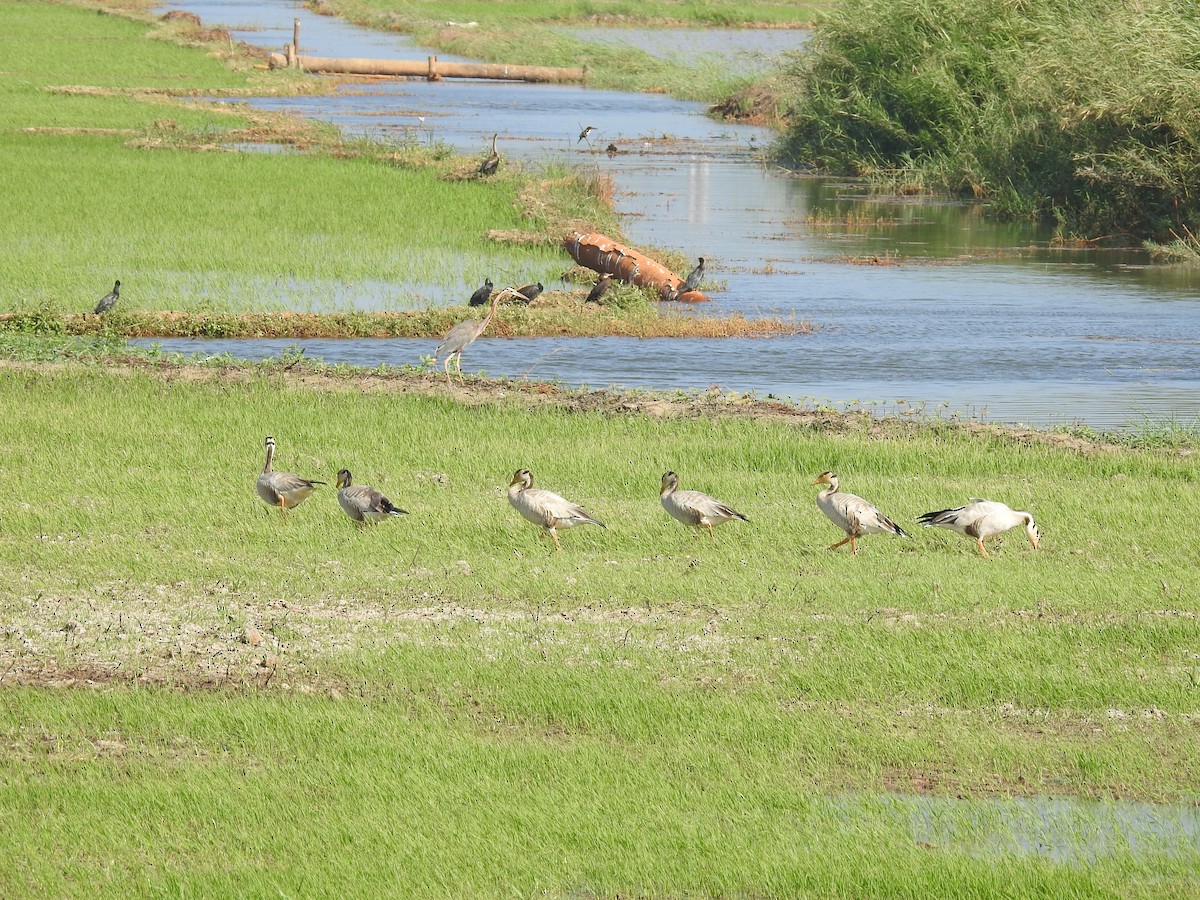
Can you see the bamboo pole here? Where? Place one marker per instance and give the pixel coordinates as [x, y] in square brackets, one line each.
[431, 68]
[604, 255]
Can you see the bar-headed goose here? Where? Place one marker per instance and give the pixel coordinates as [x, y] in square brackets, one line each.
[363, 503]
[283, 489]
[694, 508]
[852, 513]
[982, 519]
[546, 508]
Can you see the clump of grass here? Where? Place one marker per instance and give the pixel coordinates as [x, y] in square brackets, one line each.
[1080, 112]
[1182, 248]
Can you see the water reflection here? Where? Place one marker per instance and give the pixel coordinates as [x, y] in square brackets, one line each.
[917, 300]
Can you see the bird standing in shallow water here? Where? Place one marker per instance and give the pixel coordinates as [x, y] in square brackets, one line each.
[598, 289]
[694, 508]
[109, 300]
[492, 163]
[482, 295]
[545, 508]
[693, 280]
[852, 514]
[363, 503]
[982, 519]
[282, 489]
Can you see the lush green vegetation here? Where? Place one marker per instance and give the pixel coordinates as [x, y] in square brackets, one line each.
[442, 705]
[215, 230]
[1083, 111]
[534, 33]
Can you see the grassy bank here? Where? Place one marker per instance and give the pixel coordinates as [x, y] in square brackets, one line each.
[536, 33]
[146, 190]
[197, 692]
[560, 314]
[1082, 112]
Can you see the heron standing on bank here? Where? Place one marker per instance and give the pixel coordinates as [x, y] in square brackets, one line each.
[463, 335]
[492, 163]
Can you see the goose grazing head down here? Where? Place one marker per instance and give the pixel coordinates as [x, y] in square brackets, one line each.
[982, 519]
[282, 489]
[694, 508]
[852, 514]
[545, 508]
[363, 503]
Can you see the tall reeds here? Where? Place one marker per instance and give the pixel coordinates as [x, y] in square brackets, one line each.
[1084, 112]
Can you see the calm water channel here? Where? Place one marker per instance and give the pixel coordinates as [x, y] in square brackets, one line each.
[963, 316]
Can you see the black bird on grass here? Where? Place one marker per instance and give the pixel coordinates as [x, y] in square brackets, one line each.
[693, 280]
[492, 163]
[531, 292]
[598, 291]
[109, 300]
[483, 295]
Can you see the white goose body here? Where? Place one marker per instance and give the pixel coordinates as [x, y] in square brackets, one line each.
[363, 503]
[545, 508]
[693, 508]
[982, 519]
[852, 513]
[282, 489]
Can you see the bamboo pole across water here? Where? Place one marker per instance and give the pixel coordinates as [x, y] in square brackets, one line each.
[603, 254]
[431, 69]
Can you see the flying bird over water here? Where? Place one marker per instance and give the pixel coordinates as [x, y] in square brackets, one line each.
[282, 489]
[852, 514]
[363, 503]
[694, 508]
[982, 519]
[109, 300]
[545, 508]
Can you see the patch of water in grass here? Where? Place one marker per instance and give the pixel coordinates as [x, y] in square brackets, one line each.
[1060, 829]
[744, 51]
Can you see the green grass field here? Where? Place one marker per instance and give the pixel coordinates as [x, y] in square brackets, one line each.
[221, 230]
[203, 697]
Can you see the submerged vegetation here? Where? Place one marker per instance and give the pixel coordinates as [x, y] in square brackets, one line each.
[1080, 111]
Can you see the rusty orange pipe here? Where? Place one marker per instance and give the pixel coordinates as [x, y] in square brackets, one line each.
[606, 256]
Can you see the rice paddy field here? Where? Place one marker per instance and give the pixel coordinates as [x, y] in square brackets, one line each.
[201, 696]
[204, 696]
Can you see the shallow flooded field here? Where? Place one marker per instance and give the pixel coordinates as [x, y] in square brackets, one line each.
[919, 303]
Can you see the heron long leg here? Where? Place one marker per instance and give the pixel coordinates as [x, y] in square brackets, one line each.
[554, 534]
[839, 543]
[446, 366]
[853, 547]
[458, 366]
[708, 525]
[982, 549]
